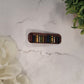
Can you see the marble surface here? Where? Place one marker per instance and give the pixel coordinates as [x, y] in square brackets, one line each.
[44, 64]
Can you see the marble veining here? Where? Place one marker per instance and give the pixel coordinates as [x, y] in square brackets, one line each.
[52, 67]
[22, 21]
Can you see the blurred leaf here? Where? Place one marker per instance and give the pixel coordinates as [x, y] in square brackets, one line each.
[82, 32]
[76, 7]
[74, 27]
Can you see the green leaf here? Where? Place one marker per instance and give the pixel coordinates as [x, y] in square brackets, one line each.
[81, 27]
[75, 1]
[76, 7]
[81, 3]
[71, 10]
[82, 32]
[74, 27]
[81, 21]
[81, 11]
[75, 21]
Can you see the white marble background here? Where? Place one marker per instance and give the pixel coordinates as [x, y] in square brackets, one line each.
[44, 64]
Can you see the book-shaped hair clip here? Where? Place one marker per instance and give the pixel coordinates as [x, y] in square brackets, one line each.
[49, 38]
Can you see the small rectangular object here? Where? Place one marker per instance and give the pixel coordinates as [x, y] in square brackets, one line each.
[33, 38]
[57, 39]
[37, 38]
[49, 38]
[52, 38]
[41, 39]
